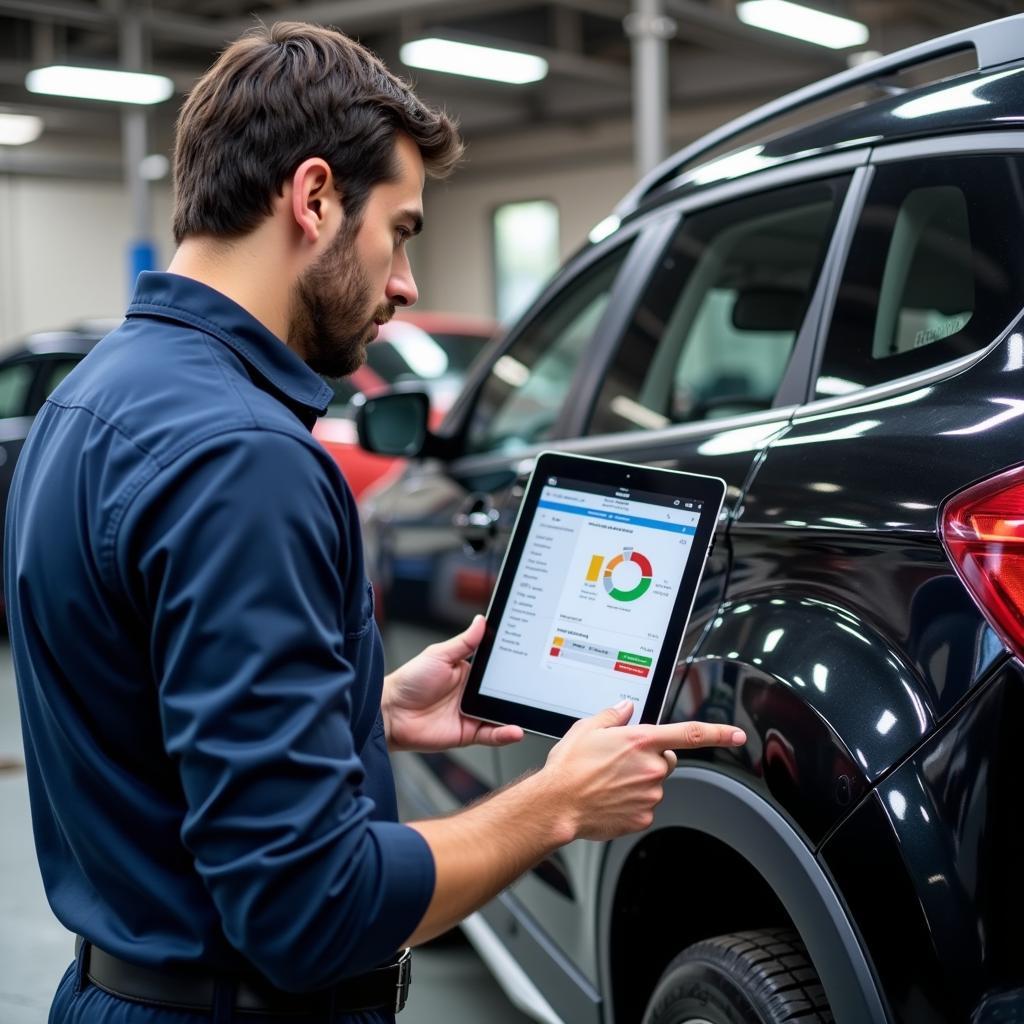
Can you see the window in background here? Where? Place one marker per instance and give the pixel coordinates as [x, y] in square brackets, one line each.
[525, 253]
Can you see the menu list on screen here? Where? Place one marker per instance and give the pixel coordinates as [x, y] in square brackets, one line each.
[591, 599]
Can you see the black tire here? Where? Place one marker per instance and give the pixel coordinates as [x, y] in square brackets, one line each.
[757, 977]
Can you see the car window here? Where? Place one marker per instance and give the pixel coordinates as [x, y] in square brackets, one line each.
[461, 349]
[54, 371]
[15, 382]
[714, 331]
[525, 392]
[934, 270]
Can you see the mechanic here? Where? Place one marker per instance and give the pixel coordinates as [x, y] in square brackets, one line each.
[204, 703]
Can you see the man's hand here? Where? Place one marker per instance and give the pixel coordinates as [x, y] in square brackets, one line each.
[421, 699]
[601, 780]
[610, 776]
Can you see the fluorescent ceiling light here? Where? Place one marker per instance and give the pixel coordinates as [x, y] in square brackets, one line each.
[17, 129]
[803, 23]
[474, 61]
[99, 84]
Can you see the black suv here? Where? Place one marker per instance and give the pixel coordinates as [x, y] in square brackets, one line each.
[827, 318]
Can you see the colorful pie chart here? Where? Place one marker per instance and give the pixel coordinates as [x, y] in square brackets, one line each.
[641, 588]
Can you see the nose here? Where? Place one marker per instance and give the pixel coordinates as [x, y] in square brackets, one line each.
[401, 290]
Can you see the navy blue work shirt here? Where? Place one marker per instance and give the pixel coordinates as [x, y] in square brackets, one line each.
[198, 665]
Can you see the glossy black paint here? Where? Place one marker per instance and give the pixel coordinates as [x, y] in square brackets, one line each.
[930, 863]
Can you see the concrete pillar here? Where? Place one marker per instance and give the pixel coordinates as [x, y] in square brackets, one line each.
[650, 30]
[134, 143]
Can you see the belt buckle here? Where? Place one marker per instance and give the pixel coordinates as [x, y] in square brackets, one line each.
[404, 964]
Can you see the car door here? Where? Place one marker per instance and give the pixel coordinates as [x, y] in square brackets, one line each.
[430, 537]
[703, 378]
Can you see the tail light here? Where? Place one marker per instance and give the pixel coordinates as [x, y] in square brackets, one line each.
[983, 532]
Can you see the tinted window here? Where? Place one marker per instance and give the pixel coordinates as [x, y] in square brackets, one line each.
[15, 381]
[461, 349]
[527, 387]
[53, 371]
[713, 334]
[934, 270]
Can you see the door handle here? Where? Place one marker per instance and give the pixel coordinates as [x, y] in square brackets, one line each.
[477, 521]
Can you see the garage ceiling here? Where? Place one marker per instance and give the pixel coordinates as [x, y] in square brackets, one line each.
[716, 63]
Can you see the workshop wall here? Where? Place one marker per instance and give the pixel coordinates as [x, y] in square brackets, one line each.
[454, 260]
[63, 250]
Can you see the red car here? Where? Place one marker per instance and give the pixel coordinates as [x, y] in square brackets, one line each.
[432, 349]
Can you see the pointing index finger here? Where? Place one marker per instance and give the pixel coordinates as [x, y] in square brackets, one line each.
[689, 735]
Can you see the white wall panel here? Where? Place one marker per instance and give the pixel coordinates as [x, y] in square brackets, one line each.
[8, 295]
[453, 261]
[63, 251]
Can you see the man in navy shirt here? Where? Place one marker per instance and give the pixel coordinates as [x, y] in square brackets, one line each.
[205, 708]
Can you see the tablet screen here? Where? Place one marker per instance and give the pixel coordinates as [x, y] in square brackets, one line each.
[590, 602]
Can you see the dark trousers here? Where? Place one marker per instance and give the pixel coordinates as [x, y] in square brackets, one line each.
[78, 1001]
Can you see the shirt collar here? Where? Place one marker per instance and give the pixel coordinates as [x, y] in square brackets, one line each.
[174, 297]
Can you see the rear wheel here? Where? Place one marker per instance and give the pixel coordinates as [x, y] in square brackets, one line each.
[756, 977]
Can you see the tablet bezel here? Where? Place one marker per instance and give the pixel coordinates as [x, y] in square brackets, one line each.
[709, 490]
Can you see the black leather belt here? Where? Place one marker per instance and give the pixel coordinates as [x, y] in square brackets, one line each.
[386, 988]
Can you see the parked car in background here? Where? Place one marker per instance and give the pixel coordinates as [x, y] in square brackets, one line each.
[29, 371]
[829, 318]
[430, 350]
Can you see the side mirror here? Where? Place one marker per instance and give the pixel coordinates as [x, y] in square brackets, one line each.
[394, 423]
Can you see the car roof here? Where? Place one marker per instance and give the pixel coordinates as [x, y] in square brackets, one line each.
[77, 339]
[968, 102]
[987, 97]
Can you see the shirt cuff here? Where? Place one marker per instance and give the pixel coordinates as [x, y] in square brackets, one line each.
[407, 878]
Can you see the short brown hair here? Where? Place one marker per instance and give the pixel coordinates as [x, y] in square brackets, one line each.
[280, 95]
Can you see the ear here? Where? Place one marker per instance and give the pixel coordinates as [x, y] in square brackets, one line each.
[313, 197]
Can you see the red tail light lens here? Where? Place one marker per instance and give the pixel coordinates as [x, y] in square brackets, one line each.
[983, 531]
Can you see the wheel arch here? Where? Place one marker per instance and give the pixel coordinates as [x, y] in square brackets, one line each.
[763, 857]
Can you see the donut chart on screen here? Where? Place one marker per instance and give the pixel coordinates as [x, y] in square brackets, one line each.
[646, 575]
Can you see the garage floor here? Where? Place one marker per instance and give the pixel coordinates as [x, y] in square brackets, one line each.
[450, 982]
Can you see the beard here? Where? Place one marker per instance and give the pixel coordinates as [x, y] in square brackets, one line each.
[330, 324]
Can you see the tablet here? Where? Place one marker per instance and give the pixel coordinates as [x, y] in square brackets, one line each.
[594, 593]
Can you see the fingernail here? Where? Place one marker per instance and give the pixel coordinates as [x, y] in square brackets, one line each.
[738, 737]
[623, 704]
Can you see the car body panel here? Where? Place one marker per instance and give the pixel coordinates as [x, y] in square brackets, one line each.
[946, 937]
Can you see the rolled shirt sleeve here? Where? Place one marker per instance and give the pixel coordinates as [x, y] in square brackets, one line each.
[238, 553]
